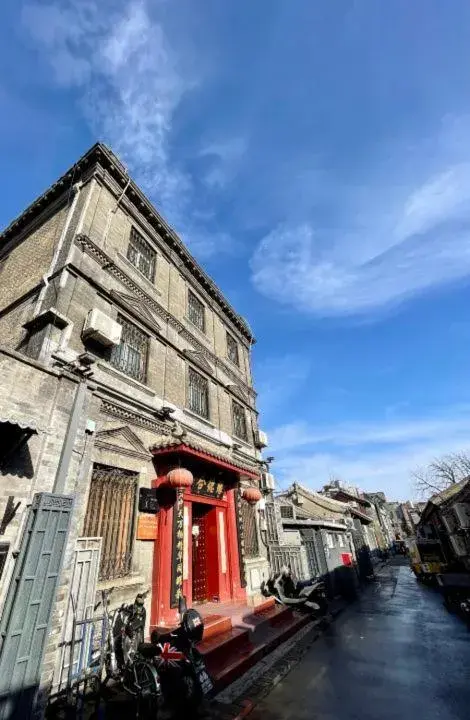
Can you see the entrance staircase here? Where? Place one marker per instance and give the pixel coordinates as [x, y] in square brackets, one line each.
[237, 636]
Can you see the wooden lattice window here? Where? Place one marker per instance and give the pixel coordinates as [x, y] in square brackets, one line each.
[130, 356]
[287, 512]
[196, 311]
[141, 255]
[232, 349]
[250, 533]
[198, 393]
[239, 421]
[111, 515]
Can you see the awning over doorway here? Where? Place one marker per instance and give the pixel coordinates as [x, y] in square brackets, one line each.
[166, 445]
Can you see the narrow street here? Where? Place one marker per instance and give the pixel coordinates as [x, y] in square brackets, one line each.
[396, 655]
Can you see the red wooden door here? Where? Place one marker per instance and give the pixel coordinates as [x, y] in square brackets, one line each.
[199, 554]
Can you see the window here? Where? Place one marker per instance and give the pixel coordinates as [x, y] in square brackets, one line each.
[341, 540]
[130, 356]
[110, 515]
[330, 541]
[198, 393]
[287, 512]
[232, 349]
[196, 311]
[141, 255]
[239, 421]
[250, 532]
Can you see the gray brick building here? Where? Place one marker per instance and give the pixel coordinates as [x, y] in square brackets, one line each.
[92, 268]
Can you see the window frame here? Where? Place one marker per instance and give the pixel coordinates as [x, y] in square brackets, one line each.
[196, 374]
[193, 298]
[240, 407]
[230, 339]
[100, 516]
[152, 253]
[114, 357]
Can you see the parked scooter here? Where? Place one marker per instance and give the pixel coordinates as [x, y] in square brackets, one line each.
[182, 672]
[309, 595]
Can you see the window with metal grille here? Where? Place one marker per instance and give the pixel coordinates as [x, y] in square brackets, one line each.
[130, 356]
[196, 311]
[232, 349]
[198, 393]
[239, 421]
[250, 533]
[141, 255]
[287, 512]
[111, 515]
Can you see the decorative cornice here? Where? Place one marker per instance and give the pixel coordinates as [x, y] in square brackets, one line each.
[134, 418]
[198, 358]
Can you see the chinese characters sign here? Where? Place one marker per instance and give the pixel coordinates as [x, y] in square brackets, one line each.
[177, 554]
[240, 534]
[210, 488]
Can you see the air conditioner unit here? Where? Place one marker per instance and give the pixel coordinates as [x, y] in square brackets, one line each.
[267, 481]
[261, 439]
[101, 328]
[459, 545]
[462, 514]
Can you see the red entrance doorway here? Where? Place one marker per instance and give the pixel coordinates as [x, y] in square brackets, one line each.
[205, 555]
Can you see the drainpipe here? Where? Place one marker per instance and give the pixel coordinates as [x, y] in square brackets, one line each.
[76, 190]
[70, 437]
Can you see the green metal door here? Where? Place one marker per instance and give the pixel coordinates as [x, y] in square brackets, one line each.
[28, 608]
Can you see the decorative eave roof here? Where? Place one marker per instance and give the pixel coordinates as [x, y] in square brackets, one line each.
[324, 501]
[445, 496]
[102, 155]
[362, 516]
[349, 497]
[320, 522]
[166, 444]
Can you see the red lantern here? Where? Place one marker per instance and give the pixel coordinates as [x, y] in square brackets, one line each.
[179, 478]
[251, 495]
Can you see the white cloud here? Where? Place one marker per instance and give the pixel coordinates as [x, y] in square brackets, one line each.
[375, 456]
[120, 59]
[277, 380]
[384, 255]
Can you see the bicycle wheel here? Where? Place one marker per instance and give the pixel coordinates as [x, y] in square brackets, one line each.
[147, 687]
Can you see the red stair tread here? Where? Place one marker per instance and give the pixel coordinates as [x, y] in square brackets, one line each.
[226, 670]
[218, 641]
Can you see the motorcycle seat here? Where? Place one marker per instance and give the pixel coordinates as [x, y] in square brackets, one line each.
[148, 650]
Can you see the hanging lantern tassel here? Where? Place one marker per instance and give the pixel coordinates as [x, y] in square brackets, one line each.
[179, 478]
[252, 495]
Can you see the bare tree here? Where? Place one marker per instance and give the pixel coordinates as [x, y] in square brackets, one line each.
[441, 473]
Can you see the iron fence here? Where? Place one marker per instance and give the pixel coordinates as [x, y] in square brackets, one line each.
[286, 555]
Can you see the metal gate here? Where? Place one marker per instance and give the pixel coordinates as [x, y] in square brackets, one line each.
[28, 608]
[80, 607]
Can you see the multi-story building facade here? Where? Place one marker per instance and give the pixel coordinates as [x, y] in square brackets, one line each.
[91, 269]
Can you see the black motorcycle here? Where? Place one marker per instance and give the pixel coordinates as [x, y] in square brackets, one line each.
[309, 595]
[182, 672]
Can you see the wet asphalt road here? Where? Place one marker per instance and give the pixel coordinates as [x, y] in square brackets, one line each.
[397, 654]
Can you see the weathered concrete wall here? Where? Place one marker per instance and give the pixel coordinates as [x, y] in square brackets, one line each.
[31, 392]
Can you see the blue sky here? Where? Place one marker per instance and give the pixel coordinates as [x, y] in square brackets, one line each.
[315, 156]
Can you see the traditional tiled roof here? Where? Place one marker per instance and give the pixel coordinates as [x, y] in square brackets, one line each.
[167, 442]
[323, 501]
[448, 493]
